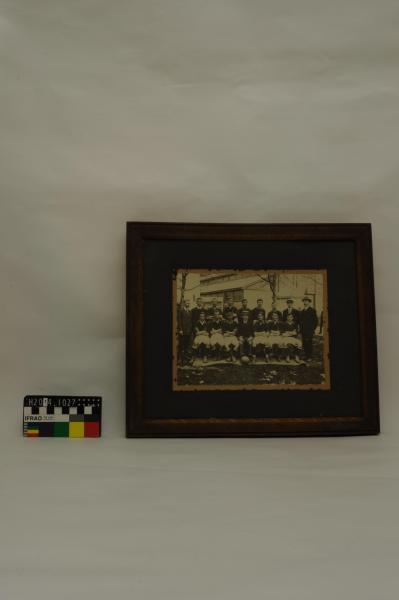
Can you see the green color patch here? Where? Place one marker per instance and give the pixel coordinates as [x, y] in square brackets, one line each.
[61, 429]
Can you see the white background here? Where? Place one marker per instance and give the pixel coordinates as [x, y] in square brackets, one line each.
[205, 110]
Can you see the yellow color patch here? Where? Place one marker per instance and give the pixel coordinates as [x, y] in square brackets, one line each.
[76, 429]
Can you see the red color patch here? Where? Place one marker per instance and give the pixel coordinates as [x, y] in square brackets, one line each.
[92, 429]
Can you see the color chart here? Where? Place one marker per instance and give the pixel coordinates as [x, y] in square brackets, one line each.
[62, 416]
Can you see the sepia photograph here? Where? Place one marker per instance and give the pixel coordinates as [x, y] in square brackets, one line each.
[250, 329]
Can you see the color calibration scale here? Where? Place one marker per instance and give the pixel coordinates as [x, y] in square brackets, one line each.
[62, 416]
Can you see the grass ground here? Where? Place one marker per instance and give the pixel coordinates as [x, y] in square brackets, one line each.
[221, 372]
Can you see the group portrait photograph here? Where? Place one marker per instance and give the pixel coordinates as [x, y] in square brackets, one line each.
[250, 329]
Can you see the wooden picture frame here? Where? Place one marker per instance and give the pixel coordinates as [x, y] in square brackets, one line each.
[342, 397]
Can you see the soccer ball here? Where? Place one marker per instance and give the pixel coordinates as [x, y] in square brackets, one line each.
[244, 360]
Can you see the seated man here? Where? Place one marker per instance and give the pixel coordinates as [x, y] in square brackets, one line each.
[201, 337]
[230, 341]
[261, 338]
[216, 333]
[245, 335]
[274, 327]
[290, 338]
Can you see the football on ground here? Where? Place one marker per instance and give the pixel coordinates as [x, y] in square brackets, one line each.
[244, 360]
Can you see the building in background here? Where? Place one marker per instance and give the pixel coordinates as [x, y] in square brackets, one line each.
[251, 285]
[236, 284]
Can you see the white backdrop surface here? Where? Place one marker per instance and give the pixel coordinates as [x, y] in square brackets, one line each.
[222, 110]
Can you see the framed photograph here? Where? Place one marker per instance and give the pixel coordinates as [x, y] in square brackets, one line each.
[250, 330]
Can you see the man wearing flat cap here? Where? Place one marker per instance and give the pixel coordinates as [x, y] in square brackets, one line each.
[307, 325]
[290, 310]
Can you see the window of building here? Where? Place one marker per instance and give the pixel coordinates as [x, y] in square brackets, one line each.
[237, 295]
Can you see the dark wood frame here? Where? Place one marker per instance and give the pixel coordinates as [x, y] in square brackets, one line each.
[139, 426]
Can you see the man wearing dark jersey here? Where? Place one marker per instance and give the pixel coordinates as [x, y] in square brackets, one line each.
[245, 336]
[216, 333]
[230, 308]
[244, 310]
[290, 310]
[290, 340]
[260, 342]
[210, 313]
[201, 337]
[272, 311]
[258, 310]
[274, 327]
[230, 341]
[195, 312]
